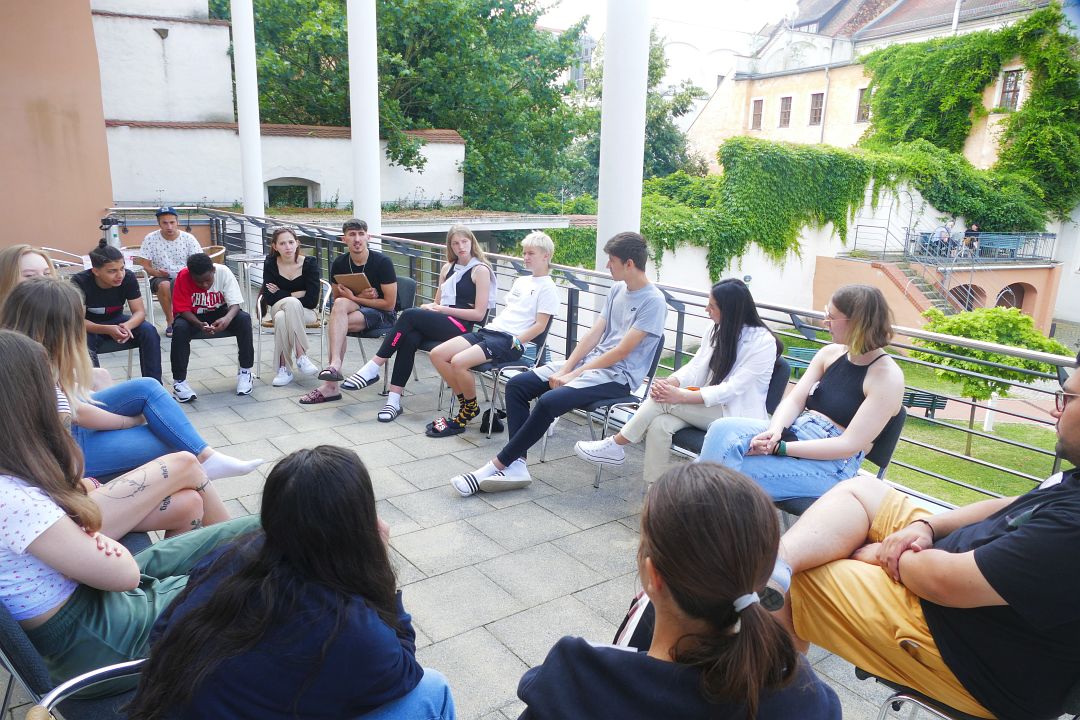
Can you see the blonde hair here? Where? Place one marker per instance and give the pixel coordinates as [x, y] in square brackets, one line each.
[870, 319]
[540, 241]
[10, 261]
[475, 248]
[51, 312]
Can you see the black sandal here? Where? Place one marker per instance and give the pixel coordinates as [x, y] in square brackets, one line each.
[441, 427]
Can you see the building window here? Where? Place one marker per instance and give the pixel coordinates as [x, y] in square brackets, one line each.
[817, 103]
[755, 116]
[785, 112]
[862, 113]
[1010, 89]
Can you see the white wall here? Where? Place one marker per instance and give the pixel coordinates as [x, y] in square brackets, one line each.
[186, 76]
[164, 8]
[175, 165]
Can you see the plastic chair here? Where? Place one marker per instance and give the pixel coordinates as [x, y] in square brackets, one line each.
[143, 277]
[26, 666]
[609, 404]
[108, 345]
[322, 315]
[216, 253]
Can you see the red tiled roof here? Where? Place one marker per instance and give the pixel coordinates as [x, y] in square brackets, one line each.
[911, 15]
[446, 137]
[162, 18]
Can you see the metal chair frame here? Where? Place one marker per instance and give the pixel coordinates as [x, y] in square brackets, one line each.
[406, 288]
[322, 317]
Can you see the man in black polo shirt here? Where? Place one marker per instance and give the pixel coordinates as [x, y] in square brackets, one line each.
[370, 310]
[107, 285]
[976, 607]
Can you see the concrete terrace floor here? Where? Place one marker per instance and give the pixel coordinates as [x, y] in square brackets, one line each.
[491, 581]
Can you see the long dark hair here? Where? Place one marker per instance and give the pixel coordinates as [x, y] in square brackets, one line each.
[320, 526]
[104, 254]
[37, 448]
[712, 535]
[737, 311]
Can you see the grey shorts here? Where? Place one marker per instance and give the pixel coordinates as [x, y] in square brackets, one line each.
[155, 281]
[377, 319]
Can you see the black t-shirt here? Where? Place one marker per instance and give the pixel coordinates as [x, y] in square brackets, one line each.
[104, 304]
[307, 280]
[1019, 660]
[378, 268]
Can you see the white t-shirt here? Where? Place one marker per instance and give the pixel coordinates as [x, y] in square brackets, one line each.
[28, 587]
[529, 296]
[170, 255]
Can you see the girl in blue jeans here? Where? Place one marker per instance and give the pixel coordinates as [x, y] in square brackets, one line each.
[123, 426]
[826, 423]
[302, 618]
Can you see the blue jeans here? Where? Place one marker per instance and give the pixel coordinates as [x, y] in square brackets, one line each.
[167, 429]
[430, 700]
[783, 478]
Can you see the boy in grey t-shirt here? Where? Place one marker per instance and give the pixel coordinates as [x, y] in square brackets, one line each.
[609, 361]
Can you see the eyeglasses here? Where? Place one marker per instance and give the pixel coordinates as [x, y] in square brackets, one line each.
[1061, 399]
[829, 317]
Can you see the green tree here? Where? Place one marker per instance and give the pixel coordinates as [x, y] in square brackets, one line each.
[666, 150]
[480, 67]
[1004, 326]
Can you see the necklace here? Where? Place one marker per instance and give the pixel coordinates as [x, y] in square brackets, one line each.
[353, 267]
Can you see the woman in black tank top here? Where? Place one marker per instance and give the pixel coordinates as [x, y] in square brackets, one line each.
[826, 423]
[465, 293]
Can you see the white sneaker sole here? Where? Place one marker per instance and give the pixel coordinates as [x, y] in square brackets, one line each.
[597, 459]
[501, 483]
[281, 382]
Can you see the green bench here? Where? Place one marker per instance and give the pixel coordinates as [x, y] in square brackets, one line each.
[799, 358]
[929, 402]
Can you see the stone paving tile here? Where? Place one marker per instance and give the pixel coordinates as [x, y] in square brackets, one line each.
[536, 489]
[357, 432]
[406, 571]
[437, 506]
[421, 446]
[611, 598]
[482, 672]
[236, 487]
[455, 602]
[565, 474]
[382, 454]
[386, 483]
[268, 409]
[531, 633]
[432, 472]
[204, 417]
[521, 526]
[609, 549]
[246, 430]
[399, 522]
[332, 417]
[537, 574]
[252, 503]
[295, 440]
[444, 548]
[588, 507]
[253, 450]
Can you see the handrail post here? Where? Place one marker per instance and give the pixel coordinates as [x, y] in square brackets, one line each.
[680, 323]
[572, 300]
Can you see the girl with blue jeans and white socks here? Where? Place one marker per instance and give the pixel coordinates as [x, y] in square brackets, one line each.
[826, 423]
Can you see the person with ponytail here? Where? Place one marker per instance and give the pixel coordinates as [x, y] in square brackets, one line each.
[123, 426]
[709, 539]
[82, 599]
[299, 620]
[106, 286]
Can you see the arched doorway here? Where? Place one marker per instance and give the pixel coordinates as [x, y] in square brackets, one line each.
[292, 192]
[968, 297]
[1018, 295]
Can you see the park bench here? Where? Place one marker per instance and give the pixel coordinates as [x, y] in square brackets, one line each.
[924, 400]
[997, 245]
[799, 358]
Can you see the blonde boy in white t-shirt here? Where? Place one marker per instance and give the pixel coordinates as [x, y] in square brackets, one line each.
[531, 303]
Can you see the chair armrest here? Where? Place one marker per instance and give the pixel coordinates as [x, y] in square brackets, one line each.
[64, 690]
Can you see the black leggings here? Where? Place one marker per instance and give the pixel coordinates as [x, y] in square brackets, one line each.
[413, 328]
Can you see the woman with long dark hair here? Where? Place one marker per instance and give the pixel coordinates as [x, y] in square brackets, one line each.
[826, 423]
[709, 538]
[82, 599]
[300, 620]
[290, 293]
[728, 376]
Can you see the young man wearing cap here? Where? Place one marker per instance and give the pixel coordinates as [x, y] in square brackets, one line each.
[166, 251]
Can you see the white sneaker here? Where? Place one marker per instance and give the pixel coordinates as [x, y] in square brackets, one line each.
[243, 382]
[305, 366]
[183, 391]
[515, 476]
[601, 452]
[284, 377]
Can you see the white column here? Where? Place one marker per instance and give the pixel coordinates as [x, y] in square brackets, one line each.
[622, 120]
[247, 116]
[364, 113]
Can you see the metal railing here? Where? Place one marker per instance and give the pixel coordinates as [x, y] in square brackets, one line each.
[983, 248]
[928, 445]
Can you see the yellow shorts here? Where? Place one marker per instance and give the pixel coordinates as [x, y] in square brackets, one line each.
[856, 611]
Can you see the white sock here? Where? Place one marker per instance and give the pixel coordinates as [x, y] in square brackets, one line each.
[370, 370]
[219, 465]
[486, 471]
[394, 399]
[518, 465]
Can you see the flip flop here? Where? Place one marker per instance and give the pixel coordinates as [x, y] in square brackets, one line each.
[356, 381]
[389, 413]
[442, 427]
[316, 397]
[330, 374]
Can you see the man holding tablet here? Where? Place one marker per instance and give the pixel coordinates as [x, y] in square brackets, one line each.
[369, 309]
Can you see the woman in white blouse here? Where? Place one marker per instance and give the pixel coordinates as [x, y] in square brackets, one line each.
[728, 376]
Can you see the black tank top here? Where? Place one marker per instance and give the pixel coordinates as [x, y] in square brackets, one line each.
[466, 289]
[838, 395]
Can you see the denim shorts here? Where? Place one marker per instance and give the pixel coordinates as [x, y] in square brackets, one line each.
[377, 319]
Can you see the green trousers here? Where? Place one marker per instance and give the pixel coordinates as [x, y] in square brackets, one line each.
[96, 627]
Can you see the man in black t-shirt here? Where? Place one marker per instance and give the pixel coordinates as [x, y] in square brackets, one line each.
[106, 289]
[372, 309]
[976, 607]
